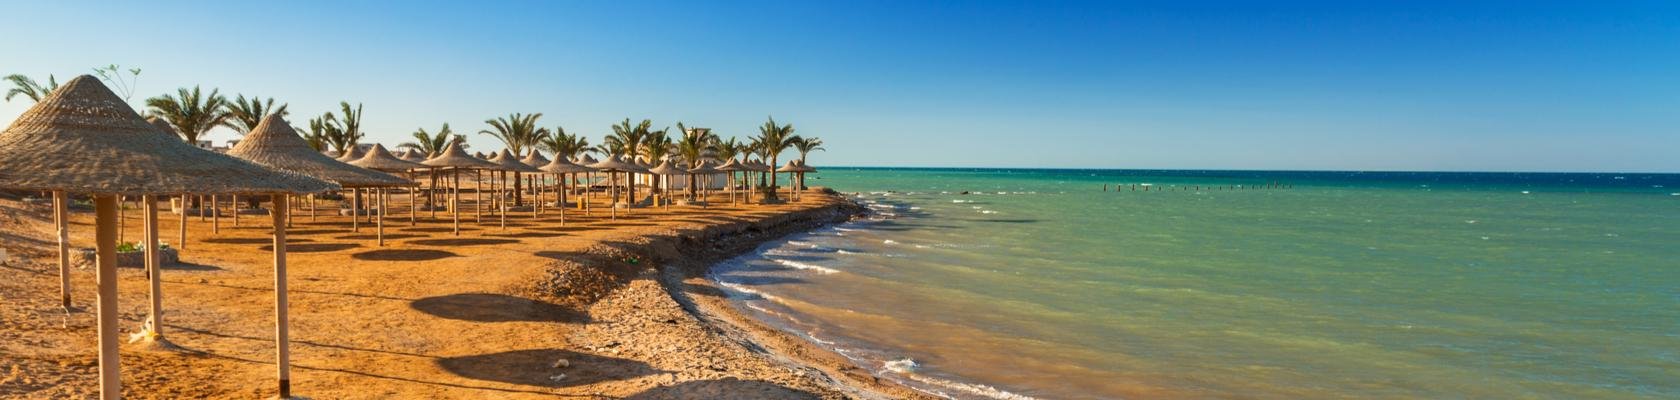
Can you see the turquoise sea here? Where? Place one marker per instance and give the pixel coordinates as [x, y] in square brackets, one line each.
[1298, 285]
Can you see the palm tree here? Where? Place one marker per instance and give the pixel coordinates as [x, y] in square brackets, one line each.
[323, 133]
[727, 149]
[627, 139]
[516, 131]
[348, 124]
[316, 141]
[563, 144]
[433, 145]
[244, 115]
[28, 88]
[774, 139]
[656, 146]
[692, 147]
[806, 145]
[191, 112]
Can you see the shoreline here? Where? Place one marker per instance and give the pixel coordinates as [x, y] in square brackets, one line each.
[685, 256]
[594, 309]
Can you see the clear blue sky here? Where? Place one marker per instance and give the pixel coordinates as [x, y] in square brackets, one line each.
[1523, 86]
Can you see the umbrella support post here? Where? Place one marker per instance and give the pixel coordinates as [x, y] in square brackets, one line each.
[183, 244]
[215, 216]
[455, 202]
[282, 340]
[381, 221]
[355, 209]
[61, 204]
[105, 243]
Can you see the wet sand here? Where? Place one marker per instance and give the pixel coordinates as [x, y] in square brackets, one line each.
[488, 314]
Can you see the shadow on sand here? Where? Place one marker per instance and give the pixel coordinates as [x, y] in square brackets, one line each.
[488, 307]
[403, 255]
[462, 242]
[536, 368]
[313, 247]
[262, 240]
[726, 388]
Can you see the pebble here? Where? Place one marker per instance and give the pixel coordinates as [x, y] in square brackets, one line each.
[562, 363]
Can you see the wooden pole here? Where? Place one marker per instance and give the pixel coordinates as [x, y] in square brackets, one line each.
[355, 210]
[413, 204]
[282, 340]
[61, 222]
[455, 201]
[501, 196]
[105, 244]
[236, 210]
[478, 198]
[154, 271]
[215, 216]
[183, 244]
[381, 229]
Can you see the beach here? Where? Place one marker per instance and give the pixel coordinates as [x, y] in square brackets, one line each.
[594, 308]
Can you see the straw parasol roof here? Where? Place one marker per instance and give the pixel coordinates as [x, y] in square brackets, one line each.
[380, 159]
[535, 160]
[789, 167]
[733, 166]
[412, 155]
[615, 164]
[802, 167]
[505, 161]
[665, 168]
[561, 165]
[163, 126]
[705, 168]
[275, 144]
[354, 153]
[331, 153]
[83, 138]
[454, 157]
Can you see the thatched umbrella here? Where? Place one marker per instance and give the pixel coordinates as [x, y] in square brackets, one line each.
[758, 167]
[801, 169]
[588, 178]
[564, 167]
[611, 165]
[273, 143]
[456, 160]
[412, 155]
[536, 181]
[731, 167]
[506, 162]
[704, 169]
[666, 170]
[355, 152]
[790, 168]
[83, 138]
[379, 159]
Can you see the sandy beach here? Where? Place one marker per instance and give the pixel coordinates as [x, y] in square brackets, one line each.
[596, 308]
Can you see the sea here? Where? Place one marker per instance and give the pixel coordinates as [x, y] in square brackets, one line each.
[1141, 284]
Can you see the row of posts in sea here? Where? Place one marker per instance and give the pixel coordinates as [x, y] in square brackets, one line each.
[1145, 187]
